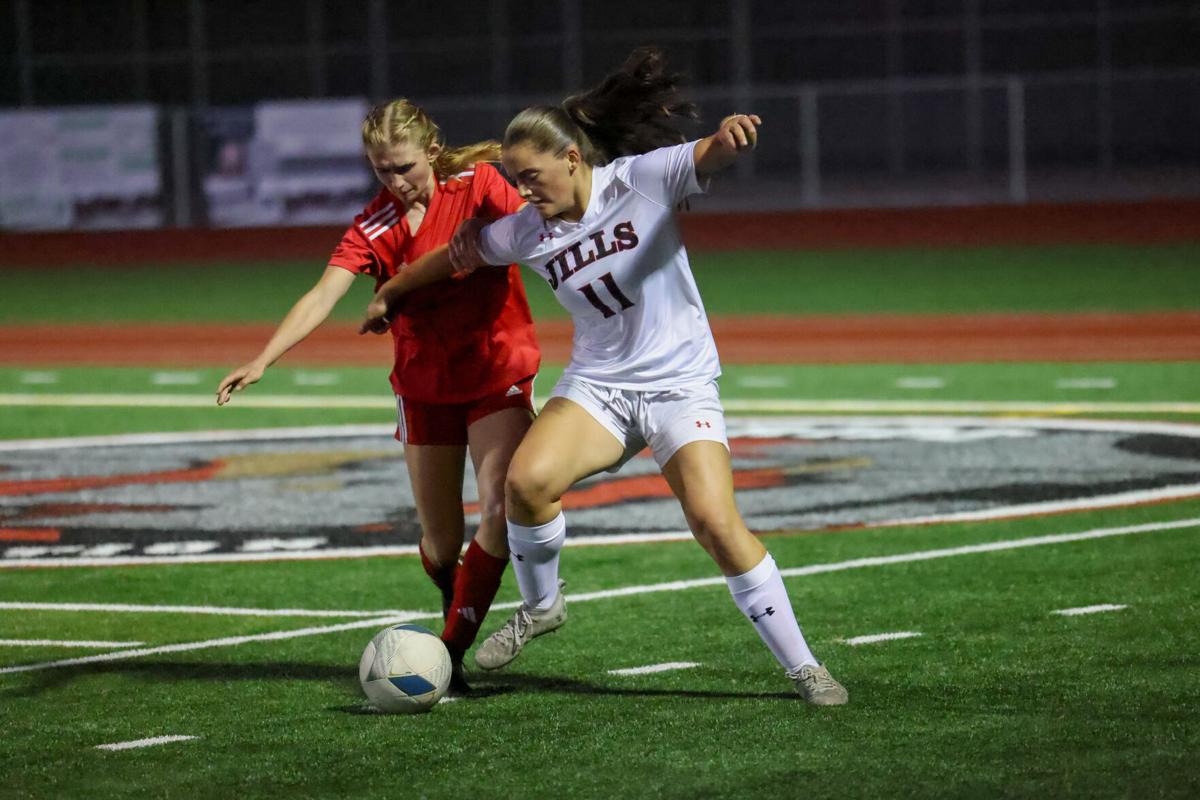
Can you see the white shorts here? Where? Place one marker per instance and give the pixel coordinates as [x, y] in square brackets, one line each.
[664, 420]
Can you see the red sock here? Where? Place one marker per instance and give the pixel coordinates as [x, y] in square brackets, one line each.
[443, 576]
[478, 582]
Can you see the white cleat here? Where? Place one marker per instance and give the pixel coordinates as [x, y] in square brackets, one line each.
[817, 686]
[499, 649]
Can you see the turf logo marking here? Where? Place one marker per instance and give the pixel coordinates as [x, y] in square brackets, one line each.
[338, 493]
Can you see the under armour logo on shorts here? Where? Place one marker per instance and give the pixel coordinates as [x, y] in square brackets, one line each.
[703, 424]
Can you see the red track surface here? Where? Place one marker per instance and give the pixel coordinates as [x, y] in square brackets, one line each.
[799, 340]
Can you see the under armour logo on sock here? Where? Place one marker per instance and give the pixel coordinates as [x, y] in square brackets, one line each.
[518, 557]
[770, 611]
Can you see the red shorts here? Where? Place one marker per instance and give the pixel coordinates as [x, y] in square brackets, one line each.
[447, 423]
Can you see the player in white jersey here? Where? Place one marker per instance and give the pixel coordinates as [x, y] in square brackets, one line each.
[599, 227]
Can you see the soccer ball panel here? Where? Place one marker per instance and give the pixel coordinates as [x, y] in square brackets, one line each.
[404, 669]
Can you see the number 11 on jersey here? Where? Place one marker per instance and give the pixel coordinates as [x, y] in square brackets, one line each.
[613, 290]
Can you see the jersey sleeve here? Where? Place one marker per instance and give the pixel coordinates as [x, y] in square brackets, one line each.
[498, 241]
[353, 254]
[666, 176]
[497, 197]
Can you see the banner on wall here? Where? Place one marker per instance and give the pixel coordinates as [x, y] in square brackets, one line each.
[286, 163]
[94, 167]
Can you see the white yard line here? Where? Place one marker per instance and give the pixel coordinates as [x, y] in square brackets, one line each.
[62, 643]
[222, 611]
[1085, 383]
[737, 425]
[39, 378]
[229, 641]
[316, 378]
[855, 641]
[920, 382]
[732, 405]
[151, 742]
[175, 378]
[667, 667]
[762, 381]
[627, 591]
[1100, 609]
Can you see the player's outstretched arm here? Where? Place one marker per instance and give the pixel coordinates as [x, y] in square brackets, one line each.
[308, 312]
[736, 134]
[430, 268]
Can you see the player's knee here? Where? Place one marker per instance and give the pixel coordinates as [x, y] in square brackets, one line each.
[714, 526]
[529, 486]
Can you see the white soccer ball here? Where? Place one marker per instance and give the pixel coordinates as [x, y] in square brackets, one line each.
[405, 669]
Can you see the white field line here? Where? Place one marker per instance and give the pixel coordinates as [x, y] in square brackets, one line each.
[736, 426]
[229, 641]
[763, 381]
[627, 591]
[1075, 612]
[1086, 383]
[1138, 497]
[737, 406]
[316, 378]
[191, 437]
[855, 641]
[62, 643]
[123, 608]
[667, 667]
[920, 382]
[175, 378]
[196, 401]
[151, 742]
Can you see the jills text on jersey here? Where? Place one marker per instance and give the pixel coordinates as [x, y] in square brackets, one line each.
[597, 246]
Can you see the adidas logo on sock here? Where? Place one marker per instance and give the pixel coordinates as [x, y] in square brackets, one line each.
[512, 390]
[468, 614]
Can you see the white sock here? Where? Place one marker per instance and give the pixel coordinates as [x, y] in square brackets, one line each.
[535, 559]
[761, 596]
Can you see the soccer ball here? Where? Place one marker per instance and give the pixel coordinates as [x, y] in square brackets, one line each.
[405, 669]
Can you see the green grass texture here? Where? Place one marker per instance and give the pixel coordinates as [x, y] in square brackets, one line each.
[998, 697]
[868, 281]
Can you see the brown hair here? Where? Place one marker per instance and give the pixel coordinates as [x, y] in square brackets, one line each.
[401, 120]
[633, 110]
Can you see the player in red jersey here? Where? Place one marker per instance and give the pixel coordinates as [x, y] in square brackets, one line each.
[465, 353]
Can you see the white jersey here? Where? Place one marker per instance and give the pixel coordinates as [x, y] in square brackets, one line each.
[623, 273]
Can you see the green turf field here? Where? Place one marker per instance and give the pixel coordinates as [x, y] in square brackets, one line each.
[997, 697]
[1076, 278]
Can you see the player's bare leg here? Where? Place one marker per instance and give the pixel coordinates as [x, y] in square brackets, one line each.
[701, 476]
[436, 474]
[564, 444]
[492, 442]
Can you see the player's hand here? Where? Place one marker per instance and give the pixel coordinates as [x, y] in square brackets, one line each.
[238, 380]
[739, 132]
[464, 247]
[378, 320]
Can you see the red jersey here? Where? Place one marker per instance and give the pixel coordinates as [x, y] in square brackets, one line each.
[459, 339]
